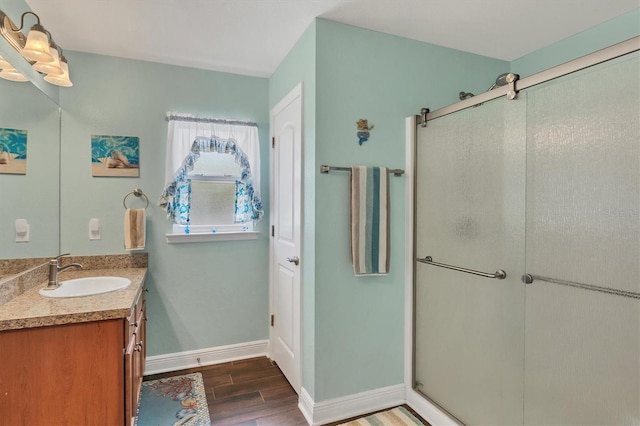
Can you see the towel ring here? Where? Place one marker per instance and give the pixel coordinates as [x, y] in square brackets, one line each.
[138, 193]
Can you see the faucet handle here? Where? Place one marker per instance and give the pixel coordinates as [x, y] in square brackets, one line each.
[56, 260]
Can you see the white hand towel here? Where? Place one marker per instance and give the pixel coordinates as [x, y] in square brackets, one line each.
[134, 229]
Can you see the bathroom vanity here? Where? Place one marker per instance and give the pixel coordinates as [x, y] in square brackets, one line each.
[77, 360]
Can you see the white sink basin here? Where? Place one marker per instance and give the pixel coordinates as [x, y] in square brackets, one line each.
[88, 286]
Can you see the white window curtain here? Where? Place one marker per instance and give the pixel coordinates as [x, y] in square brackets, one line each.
[187, 136]
[184, 129]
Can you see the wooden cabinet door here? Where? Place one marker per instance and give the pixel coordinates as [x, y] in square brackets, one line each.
[62, 375]
[134, 359]
[130, 401]
[138, 356]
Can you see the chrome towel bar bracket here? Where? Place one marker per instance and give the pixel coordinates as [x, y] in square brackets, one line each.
[499, 274]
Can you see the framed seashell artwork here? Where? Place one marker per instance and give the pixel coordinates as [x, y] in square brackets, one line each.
[117, 156]
[13, 151]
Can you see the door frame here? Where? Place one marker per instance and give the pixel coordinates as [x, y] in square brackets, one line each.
[296, 92]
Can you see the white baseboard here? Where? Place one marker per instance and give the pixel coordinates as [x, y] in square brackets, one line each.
[209, 356]
[351, 405]
[305, 404]
[428, 411]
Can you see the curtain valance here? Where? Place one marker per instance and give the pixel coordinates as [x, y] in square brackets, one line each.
[187, 139]
[184, 129]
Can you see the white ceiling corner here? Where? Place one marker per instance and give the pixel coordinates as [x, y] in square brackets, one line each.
[252, 37]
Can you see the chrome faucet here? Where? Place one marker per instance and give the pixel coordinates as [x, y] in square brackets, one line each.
[55, 269]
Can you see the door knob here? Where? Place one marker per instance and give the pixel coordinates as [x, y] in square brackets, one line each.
[295, 260]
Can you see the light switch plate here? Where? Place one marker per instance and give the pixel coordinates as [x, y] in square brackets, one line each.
[94, 229]
[22, 231]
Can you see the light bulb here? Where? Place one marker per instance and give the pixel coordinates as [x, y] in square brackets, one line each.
[50, 68]
[37, 45]
[60, 80]
[12, 75]
[4, 63]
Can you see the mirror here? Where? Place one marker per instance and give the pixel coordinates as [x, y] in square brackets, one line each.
[32, 192]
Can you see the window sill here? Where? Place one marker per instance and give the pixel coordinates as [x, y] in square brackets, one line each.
[218, 236]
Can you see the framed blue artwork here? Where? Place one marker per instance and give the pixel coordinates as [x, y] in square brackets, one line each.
[117, 156]
[13, 151]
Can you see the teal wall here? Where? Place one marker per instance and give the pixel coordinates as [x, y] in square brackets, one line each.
[300, 67]
[611, 32]
[354, 327]
[382, 78]
[201, 295]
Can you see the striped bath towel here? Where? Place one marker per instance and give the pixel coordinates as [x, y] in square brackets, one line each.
[370, 220]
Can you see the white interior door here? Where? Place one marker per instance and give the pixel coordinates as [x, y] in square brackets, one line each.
[286, 264]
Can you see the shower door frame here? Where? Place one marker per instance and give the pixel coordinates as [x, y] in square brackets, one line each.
[418, 401]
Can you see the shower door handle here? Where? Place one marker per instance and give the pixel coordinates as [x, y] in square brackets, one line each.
[499, 274]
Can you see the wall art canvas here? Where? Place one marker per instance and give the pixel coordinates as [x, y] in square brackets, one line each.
[13, 151]
[115, 156]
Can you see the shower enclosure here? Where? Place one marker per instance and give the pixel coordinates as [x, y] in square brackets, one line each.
[527, 248]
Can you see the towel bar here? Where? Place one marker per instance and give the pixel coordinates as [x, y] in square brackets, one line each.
[138, 193]
[325, 169]
[499, 274]
[530, 278]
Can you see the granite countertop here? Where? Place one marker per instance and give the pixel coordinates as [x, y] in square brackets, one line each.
[30, 309]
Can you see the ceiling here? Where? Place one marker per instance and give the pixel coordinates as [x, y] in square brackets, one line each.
[253, 36]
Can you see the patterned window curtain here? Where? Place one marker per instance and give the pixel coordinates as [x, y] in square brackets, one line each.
[182, 203]
[176, 197]
[187, 137]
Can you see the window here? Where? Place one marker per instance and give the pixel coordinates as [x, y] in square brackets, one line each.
[212, 192]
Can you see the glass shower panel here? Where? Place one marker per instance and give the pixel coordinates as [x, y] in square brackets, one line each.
[470, 180]
[582, 358]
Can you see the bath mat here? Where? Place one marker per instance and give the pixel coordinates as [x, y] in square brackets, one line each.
[398, 416]
[174, 401]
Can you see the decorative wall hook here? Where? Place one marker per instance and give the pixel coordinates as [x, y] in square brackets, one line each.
[363, 130]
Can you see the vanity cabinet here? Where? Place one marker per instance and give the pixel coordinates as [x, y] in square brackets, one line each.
[82, 373]
[134, 356]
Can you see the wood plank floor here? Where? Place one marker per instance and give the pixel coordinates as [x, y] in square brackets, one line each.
[251, 392]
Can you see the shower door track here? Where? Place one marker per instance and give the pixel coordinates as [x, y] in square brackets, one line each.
[617, 50]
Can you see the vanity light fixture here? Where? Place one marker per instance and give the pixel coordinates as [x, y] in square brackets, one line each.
[4, 63]
[49, 68]
[8, 72]
[63, 78]
[38, 48]
[12, 75]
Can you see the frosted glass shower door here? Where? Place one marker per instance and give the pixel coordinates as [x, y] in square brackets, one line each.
[469, 330]
[582, 359]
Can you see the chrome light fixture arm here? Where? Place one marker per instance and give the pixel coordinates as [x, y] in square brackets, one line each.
[11, 33]
[37, 50]
[14, 35]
